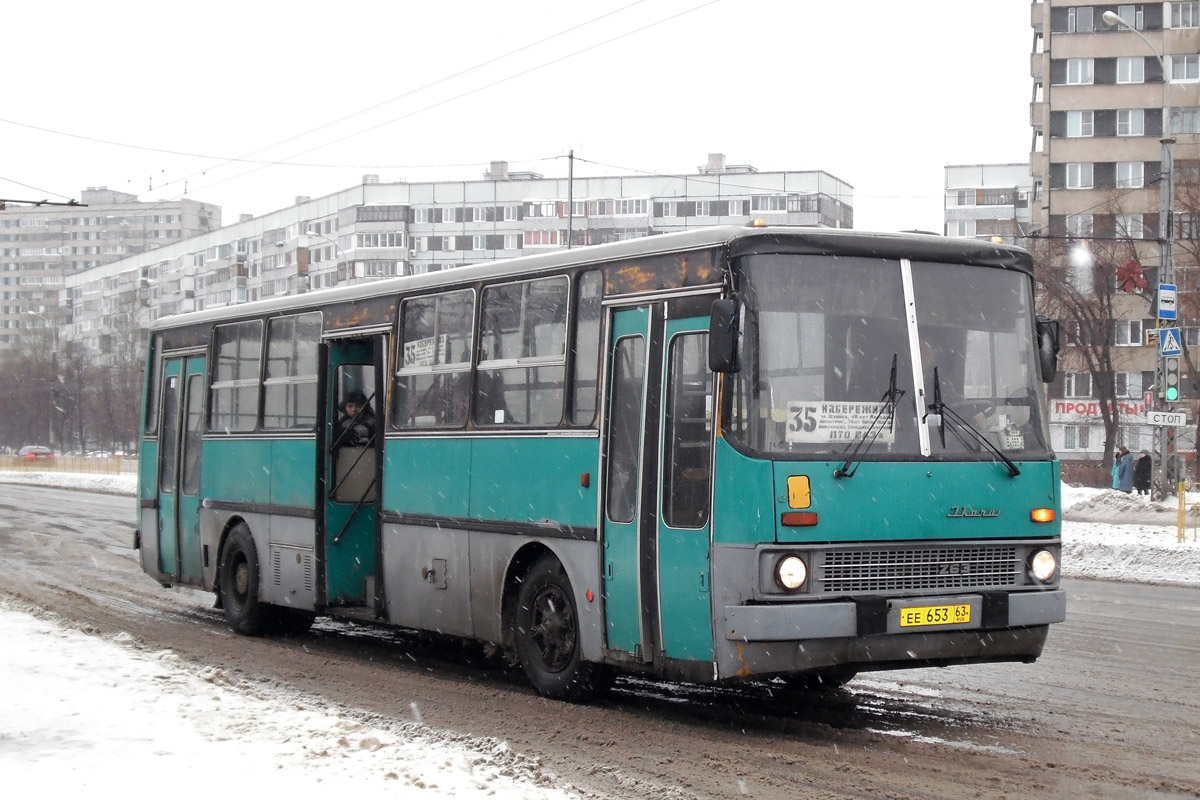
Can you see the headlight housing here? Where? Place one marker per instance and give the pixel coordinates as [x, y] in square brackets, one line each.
[1043, 566]
[791, 572]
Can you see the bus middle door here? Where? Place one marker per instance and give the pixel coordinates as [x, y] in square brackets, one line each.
[349, 535]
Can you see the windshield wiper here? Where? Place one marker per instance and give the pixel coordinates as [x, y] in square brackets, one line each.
[959, 425]
[886, 416]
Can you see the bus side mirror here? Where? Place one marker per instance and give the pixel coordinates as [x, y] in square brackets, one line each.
[1047, 341]
[724, 335]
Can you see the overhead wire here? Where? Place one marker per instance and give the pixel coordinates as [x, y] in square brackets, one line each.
[470, 92]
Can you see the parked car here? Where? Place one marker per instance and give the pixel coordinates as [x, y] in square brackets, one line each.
[32, 451]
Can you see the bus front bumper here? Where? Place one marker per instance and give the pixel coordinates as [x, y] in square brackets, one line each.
[867, 633]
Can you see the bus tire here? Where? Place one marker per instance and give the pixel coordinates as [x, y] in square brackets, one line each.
[547, 635]
[239, 575]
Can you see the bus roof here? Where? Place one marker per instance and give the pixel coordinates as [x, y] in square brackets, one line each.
[742, 240]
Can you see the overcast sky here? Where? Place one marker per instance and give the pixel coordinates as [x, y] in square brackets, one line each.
[250, 104]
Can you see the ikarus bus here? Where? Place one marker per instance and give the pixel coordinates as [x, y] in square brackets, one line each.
[718, 455]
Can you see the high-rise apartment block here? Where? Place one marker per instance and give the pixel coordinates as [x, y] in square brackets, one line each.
[1116, 99]
[377, 230]
[41, 246]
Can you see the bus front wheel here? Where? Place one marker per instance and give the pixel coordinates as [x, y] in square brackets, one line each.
[547, 635]
[239, 575]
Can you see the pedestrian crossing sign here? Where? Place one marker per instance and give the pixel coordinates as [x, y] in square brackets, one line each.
[1168, 342]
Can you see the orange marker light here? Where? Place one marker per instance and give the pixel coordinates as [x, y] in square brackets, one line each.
[799, 519]
[590, 596]
[1042, 515]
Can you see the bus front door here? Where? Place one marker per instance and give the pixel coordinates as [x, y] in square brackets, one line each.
[353, 435]
[658, 489]
[179, 469]
[628, 607]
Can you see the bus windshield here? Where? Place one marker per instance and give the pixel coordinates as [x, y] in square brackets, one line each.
[831, 363]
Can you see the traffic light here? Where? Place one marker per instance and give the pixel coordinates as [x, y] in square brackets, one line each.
[1171, 379]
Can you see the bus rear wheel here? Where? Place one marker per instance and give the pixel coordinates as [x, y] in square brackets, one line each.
[547, 635]
[238, 577]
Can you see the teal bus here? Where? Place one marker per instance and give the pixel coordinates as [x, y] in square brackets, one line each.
[724, 454]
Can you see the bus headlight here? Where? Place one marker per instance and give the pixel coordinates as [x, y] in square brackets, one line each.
[1043, 565]
[791, 572]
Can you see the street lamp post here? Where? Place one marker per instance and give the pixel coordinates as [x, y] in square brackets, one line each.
[1166, 223]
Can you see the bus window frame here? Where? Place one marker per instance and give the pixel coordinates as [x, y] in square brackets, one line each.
[238, 383]
[523, 362]
[456, 368]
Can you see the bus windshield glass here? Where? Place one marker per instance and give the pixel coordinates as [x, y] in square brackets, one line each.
[831, 364]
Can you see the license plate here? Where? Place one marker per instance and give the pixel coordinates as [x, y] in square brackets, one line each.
[920, 616]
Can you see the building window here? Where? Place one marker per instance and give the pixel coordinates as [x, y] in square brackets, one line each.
[1133, 15]
[1131, 122]
[1131, 69]
[1079, 225]
[1185, 120]
[768, 202]
[544, 238]
[479, 243]
[1185, 68]
[1079, 19]
[1127, 333]
[512, 213]
[669, 209]
[1080, 123]
[1079, 175]
[1130, 226]
[423, 215]
[703, 208]
[1185, 226]
[1075, 437]
[1079, 71]
[1185, 15]
[631, 206]
[1131, 174]
[478, 214]
[1077, 384]
[512, 241]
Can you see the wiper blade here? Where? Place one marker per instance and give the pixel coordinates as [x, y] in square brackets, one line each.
[960, 425]
[885, 417]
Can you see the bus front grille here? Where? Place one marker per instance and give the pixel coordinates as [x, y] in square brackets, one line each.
[899, 569]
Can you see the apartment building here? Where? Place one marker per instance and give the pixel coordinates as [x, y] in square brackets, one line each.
[41, 246]
[377, 230]
[984, 201]
[1115, 101]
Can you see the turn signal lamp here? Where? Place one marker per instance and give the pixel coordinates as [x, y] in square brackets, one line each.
[1042, 515]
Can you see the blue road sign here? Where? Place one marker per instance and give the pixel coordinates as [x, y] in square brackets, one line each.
[1166, 301]
[1168, 342]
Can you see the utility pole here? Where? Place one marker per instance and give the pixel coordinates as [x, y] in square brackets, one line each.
[570, 194]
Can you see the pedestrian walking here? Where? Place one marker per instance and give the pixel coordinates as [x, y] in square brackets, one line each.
[1143, 468]
[1124, 470]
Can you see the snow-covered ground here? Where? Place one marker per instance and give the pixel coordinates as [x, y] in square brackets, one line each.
[77, 705]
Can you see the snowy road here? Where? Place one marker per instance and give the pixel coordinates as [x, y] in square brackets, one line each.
[1109, 710]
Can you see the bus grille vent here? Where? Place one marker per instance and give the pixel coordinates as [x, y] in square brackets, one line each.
[919, 569]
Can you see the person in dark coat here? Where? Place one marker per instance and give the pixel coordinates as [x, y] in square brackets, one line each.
[1143, 468]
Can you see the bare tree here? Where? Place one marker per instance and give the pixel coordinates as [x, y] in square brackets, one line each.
[1077, 284]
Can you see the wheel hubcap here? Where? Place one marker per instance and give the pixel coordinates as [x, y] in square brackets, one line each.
[553, 628]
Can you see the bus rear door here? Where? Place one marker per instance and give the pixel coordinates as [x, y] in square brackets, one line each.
[179, 469]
